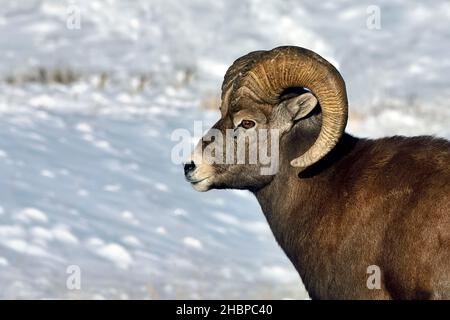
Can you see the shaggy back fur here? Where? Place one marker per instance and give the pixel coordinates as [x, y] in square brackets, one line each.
[369, 202]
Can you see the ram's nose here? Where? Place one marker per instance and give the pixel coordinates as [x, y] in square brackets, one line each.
[189, 167]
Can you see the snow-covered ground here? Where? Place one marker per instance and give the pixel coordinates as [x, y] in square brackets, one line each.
[85, 161]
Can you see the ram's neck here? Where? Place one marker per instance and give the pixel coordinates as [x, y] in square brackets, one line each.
[295, 206]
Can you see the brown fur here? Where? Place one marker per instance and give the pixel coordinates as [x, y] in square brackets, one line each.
[369, 202]
[382, 202]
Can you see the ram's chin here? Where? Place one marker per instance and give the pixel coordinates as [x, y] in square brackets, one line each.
[202, 186]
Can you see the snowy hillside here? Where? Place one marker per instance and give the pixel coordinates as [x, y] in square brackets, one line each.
[86, 117]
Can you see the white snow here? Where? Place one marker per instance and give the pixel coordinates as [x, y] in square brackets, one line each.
[193, 243]
[47, 174]
[112, 187]
[9, 231]
[83, 127]
[278, 273]
[180, 212]
[161, 230]
[116, 254]
[41, 233]
[31, 214]
[87, 177]
[102, 144]
[161, 187]
[95, 242]
[21, 246]
[63, 234]
[128, 215]
[131, 241]
[3, 262]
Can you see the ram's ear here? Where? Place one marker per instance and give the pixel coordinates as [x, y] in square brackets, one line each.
[300, 106]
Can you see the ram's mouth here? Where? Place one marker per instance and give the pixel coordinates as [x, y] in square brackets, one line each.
[200, 184]
[194, 182]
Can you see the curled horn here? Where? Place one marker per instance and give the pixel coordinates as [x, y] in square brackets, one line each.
[263, 75]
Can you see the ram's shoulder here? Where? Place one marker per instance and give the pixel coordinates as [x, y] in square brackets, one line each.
[426, 154]
[426, 145]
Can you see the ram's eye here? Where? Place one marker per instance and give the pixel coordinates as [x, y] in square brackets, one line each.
[247, 124]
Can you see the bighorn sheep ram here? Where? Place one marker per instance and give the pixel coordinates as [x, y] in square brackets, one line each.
[338, 204]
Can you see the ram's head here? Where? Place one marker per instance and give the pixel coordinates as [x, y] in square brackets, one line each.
[266, 95]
